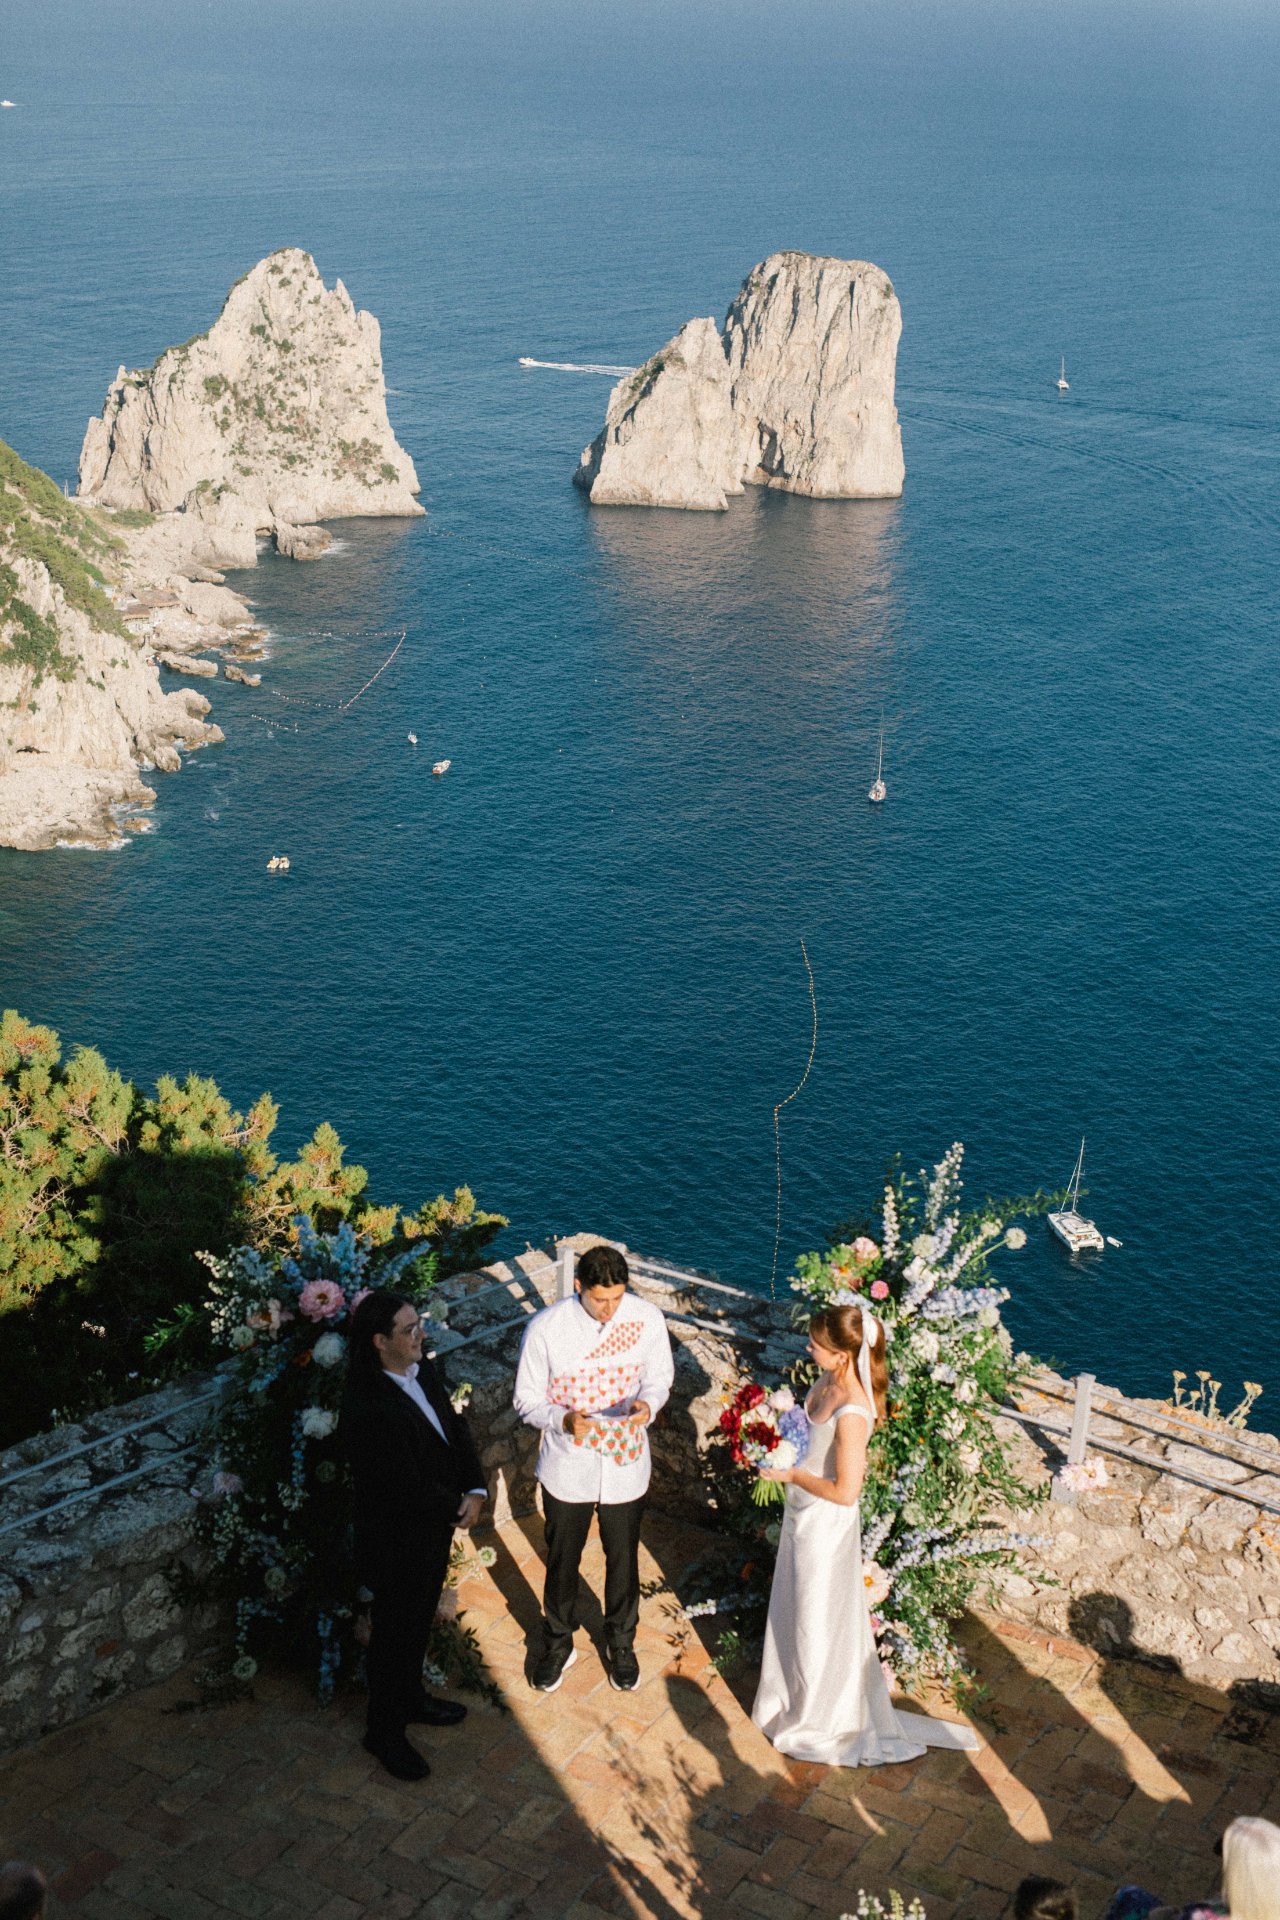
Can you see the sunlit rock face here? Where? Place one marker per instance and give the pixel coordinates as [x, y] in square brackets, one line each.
[276, 416]
[796, 392]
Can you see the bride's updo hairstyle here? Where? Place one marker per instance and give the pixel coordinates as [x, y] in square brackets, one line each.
[840, 1329]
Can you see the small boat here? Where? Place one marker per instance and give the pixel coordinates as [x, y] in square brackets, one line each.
[7, 103]
[442, 766]
[877, 790]
[1070, 1225]
[1062, 383]
[413, 739]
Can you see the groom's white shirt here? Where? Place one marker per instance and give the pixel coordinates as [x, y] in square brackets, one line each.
[559, 1342]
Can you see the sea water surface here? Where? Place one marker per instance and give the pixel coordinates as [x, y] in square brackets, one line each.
[571, 972]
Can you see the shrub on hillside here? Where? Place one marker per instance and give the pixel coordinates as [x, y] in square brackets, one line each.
[107, 1196]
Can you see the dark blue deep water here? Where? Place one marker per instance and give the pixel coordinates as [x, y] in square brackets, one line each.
[571, 973]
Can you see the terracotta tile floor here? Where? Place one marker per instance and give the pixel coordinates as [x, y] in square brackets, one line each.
[663, 1802]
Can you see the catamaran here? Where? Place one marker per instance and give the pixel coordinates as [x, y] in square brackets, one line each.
[1062, 383]
[1071, 1227]
[877, 790]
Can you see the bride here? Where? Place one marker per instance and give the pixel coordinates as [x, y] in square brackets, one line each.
[822, 1693]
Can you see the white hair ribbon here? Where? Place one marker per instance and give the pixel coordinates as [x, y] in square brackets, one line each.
[872, 1330]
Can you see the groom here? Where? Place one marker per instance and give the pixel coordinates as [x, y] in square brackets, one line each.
[593, 1372]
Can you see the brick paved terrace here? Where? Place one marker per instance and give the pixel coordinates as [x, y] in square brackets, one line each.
[663, 1803]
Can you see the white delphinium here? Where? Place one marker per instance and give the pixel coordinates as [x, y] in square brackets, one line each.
[925, 1346]
[945, 1184]
[942, 1375]
[891, 1229]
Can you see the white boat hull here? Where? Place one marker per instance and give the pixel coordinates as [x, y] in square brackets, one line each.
[1077, 1233]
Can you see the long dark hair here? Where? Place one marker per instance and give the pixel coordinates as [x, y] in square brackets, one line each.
[374, 1314]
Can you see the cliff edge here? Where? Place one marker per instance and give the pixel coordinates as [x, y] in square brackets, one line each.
[81, 710]
[272, 420]
[795, 392]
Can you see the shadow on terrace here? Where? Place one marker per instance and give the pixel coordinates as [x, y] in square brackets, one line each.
[665, 1802]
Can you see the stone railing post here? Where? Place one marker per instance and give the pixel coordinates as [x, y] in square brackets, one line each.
[1079, 1441]
[566, 1268]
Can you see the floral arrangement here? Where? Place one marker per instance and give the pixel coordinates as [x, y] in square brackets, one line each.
[871, 1907]
[764, 1430]
[273, 1521]
[1086, 1476]
[938, 1469]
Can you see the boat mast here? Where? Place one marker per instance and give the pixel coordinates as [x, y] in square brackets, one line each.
[1073, 1191]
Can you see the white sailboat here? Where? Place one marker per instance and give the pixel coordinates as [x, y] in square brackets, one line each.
[1062, 383]
[877, 790]
[1071, 1227]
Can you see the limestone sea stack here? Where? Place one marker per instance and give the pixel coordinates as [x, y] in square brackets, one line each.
[274, 419]
[795, 392]
[81, 709]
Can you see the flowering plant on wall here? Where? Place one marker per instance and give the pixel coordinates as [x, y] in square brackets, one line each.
[273, 1523]
[938, 1466]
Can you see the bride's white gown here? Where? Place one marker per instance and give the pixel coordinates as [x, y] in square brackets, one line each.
[822, 1694]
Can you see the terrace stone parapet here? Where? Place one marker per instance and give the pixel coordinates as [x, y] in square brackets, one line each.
[1176, 1560]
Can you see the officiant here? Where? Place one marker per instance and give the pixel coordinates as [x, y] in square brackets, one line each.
[594, 1371]
[417, 1477]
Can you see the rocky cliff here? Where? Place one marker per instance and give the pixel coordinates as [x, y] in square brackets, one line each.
[81, 709]
[272, 420]
[796, 392]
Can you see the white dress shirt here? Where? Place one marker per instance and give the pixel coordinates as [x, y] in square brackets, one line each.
[611, 1365]
[409, 1381]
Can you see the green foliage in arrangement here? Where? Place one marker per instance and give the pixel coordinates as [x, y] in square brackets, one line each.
[109, 1194]
[273, 1524]
[939, 1473]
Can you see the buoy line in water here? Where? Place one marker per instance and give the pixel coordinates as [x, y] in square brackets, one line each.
[339, 706]
[777, 1136]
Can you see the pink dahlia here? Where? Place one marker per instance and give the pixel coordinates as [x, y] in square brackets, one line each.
[879, 1289]
[321, 1299]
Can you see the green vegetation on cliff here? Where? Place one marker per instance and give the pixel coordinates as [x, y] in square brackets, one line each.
[108, 1193]
[38, 525]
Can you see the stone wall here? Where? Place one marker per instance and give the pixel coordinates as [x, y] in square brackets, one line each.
[90, 1517]
[1173, 1560]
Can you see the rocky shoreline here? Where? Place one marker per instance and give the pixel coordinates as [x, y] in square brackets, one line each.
[270, 422]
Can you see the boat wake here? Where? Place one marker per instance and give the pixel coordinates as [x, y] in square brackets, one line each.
[574, 366]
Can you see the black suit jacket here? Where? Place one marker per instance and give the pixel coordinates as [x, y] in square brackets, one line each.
[409, 1483]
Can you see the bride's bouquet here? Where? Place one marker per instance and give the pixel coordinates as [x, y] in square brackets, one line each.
[765, 1430]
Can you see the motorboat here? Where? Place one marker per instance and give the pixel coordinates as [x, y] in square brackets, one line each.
[441, 766]
[1075, 1232]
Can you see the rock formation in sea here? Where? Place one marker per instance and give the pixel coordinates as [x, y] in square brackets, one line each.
[81, 707]
[669, 435]
[795, 392]
[274, 419]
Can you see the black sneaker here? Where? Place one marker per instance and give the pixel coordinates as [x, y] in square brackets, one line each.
[624, 1669]
[398, 1757]
[550, 1668]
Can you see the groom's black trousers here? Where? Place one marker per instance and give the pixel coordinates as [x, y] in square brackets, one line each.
[404, 1607]
[568, 1522]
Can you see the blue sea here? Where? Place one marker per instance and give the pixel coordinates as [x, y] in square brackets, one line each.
[571, 973]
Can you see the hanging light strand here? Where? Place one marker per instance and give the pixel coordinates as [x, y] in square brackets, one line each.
[777, 1134]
